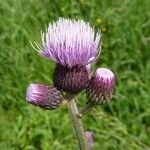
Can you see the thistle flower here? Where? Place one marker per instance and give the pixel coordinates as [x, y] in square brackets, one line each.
[45, 96]
[101, 86]
[71, 44]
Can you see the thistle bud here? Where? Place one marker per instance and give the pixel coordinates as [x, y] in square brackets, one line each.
[42, 95]
[89, 137]
[101, 86]
[71, 80]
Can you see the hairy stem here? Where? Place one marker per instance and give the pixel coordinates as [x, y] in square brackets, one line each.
[79, 131]
[85, 109]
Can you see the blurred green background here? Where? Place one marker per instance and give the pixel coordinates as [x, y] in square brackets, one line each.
[123, 124]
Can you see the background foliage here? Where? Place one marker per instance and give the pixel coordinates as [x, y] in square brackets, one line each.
[123, 124]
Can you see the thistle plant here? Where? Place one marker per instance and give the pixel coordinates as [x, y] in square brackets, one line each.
[73, 45]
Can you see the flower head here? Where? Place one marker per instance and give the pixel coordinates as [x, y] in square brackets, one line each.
[45, 96]
[101, 86]
[70, 42]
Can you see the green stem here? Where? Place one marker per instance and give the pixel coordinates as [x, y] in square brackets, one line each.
[85, 109]
[72, 107]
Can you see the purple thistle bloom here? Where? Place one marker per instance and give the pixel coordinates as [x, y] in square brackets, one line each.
[101, 86]
[70, 42]
[45, 96]
[72, 45]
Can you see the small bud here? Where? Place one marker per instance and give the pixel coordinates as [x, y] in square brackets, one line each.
[89, 137]
[45, 96]
[101, 86]
[71, 80]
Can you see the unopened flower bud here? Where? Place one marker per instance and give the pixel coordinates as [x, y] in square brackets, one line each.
[101, 86]
[89, 137]
[45, 96]
[71, 80]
